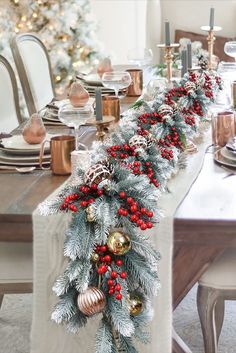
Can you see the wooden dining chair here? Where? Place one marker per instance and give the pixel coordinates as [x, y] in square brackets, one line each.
[16, 268]
[216, 285]
[34, 69]
[10, 116]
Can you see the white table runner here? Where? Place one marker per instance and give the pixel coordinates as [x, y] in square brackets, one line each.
[46, 336]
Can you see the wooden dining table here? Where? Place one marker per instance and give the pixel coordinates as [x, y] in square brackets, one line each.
[204, 223]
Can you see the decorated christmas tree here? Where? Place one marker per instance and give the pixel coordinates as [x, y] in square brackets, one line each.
[66, 28]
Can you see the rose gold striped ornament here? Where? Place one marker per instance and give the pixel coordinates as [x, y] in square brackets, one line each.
[92, 301]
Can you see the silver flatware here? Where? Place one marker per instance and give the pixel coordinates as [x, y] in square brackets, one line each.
[22, 170]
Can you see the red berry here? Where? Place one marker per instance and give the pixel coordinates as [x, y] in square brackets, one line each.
[123, 275]
[149, 224]
[143, 210]
[139, 222]
[94, 186]
[122, 194]
[133, 208]
[114, 274]
[111, 291]
[125, 212]
[91, 200]
[83, 203]
[134, 218]
[150, 214]
[99, 192]
[100, 271]
[107, 258]
[143, 226]
[120, 211]
[118, 287]
[119, 262]
[118, 296]
[137, 164]
[110, 282]
[103, 248]
[130, 200]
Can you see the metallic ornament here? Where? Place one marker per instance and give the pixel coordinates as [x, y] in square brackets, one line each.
[118, 242]
[135, 305]
[90, 214]
[165, 111]
[91, 301]
[190, 87]
[96, 174]
[95, 257]
[150, 140]
[138, 141]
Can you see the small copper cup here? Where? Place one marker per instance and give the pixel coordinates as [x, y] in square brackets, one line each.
[60, 149]
[136, 87]
[111, 107]
[223, 128]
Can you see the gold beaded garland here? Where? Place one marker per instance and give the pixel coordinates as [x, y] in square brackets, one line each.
[90, 214]
[118, 242]
[92, 301]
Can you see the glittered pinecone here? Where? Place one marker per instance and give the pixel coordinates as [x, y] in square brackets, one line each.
[97, 173]
[190, 87]
[138, 141]
[165, 111]
[203, 62]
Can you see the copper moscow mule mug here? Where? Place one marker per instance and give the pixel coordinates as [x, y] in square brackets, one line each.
[60, 149]
[111, 107]
[136, 87]
[223, 128]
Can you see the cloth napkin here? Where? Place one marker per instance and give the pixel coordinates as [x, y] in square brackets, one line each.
[49, 263]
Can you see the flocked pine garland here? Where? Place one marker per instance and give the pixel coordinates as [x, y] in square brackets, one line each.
[112, 265]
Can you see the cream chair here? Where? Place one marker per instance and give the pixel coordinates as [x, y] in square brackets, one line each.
[10, 116]
[34, 69]
[16, 268]
[216, 285]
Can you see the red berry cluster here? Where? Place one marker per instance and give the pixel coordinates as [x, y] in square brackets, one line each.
[174, 94]
[167, 154]
[146, 168]
[121, 151]
[172, 139]
[134, 212]
[149, 119]
[197, 109]
[86, 197]
[105, 266]
[190, 120]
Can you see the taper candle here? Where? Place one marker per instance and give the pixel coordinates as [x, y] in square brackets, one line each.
[212, 14]
[98, 96]
[167, 33]
[189, 55]
[183, 62]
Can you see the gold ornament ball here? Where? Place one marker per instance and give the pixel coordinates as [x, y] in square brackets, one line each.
[92, 301]
[118, 242]
[135, 305]
[90, 214]
[95, 257]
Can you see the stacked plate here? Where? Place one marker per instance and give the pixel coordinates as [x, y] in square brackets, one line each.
[227, 154]
[15, 151]
[92, 81]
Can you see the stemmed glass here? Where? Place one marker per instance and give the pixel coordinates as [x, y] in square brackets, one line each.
[75, 117]
[116, 80]
[140, 56]
[230, 49]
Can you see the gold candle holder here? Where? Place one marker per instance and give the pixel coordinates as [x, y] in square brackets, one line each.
[168, 57]
[101, 125]
[211, 40]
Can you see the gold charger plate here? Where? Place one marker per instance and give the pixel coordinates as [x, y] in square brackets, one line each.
[219, 158]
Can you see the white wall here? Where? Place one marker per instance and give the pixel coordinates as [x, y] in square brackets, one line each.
[122, 26]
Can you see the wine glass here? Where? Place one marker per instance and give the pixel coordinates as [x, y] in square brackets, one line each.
[140, 56]
[230, 49]
[116, 80]
[75, 117]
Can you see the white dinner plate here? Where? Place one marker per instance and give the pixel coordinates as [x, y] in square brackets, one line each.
[224, 161]
[93, 80]
[17, 142]
[16, 158]
[227, 154]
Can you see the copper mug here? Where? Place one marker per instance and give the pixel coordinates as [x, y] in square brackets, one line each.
[60, 149]
[111, 107]
[223, 128]
[136, 87]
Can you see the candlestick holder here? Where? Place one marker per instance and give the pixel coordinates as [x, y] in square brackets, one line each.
[101, 125]
[168, 57]
[211, 40]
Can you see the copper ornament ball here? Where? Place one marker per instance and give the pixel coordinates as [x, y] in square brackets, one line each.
[118, 242]
[135, 305]
[92, 301]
